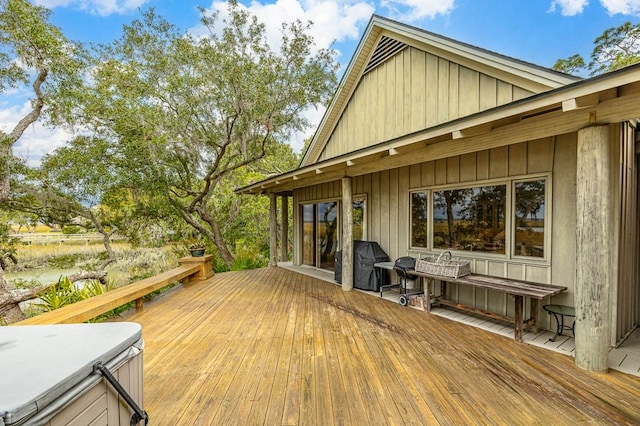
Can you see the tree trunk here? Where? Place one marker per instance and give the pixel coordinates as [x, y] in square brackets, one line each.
[5, 160]
[213, 233]
[9, 309]
[220, 244]
[106, 241]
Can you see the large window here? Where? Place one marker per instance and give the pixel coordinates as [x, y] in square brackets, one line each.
[476, 218]
[529, 214]
[470, 219]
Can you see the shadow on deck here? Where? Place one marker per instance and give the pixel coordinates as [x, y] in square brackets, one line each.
[272, 346]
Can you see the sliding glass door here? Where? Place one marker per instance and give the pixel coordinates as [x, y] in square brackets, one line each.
[321, 230]
[320, 234]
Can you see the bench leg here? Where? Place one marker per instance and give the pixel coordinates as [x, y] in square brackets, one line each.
[139, 303]
[517, 335]
[533, 304]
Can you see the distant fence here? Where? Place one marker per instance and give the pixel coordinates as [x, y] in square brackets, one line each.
[60, 238]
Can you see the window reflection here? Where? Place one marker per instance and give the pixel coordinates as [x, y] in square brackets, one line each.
[419, 219]
[327, 233]
[529, 218]
[470, 219]
[358, 218]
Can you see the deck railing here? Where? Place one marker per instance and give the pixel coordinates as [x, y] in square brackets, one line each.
[191, 269]
[58, 237]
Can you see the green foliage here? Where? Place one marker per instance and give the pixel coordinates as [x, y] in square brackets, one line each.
[571, 65]
[616, 48]
[185, 118]
[8, 246]
[57, 296]
[34, 55]
[65, 261]
[25, 284]
[70, 229]
[66, 293]
[248, 257]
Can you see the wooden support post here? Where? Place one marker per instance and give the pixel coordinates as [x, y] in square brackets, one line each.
[594, 240]
[206, 267]
[273, 230]
[347, 234]
[284, 238]
[139, 303]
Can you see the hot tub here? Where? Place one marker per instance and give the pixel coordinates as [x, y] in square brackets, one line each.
[48, 373]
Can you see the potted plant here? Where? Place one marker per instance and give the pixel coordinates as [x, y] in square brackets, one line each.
[197, 249]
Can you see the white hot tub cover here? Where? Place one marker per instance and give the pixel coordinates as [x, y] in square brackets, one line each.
[40, 363]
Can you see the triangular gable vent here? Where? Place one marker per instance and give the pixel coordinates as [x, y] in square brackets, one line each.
[387, 47]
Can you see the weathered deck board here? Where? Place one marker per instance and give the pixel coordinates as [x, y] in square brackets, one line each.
[273, 347]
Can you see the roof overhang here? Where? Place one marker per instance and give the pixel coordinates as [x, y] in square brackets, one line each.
[609, 98]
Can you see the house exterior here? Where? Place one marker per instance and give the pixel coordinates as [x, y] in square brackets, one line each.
[431, 144]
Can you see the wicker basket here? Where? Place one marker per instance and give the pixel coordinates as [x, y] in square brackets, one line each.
[443, 266]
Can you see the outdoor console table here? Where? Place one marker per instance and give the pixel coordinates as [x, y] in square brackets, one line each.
[517, 288]
[559, 312]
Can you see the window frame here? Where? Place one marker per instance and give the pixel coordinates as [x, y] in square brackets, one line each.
[547, 219]
[365, 223]
[429, 193]
[509, 206]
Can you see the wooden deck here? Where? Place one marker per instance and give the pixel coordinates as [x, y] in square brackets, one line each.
[274, 347]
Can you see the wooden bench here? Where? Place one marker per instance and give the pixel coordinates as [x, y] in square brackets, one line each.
[84, 310]
[517, 288]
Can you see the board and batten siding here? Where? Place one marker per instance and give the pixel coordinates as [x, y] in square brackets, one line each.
[388, 210]
[411, 91]
[626, 299]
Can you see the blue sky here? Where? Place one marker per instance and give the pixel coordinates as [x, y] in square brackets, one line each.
[538, 31]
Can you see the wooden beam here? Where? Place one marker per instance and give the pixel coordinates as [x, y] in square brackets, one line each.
[435, 144]
[590, 100]
[471, 131]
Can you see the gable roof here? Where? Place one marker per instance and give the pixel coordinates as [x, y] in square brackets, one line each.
[385, 38]
[613, 97]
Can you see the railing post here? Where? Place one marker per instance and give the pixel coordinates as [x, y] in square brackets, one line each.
[206, 266]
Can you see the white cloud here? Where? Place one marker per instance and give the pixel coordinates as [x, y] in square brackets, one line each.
[569, 7]
[37, 140]
[613, 7]
[333, 20]
[96, 7]
[624, 7]
[414, 10]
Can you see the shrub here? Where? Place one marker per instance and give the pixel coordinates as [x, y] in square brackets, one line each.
[65, 261]
[70, 229]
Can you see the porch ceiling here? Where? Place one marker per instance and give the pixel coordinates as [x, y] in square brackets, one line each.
[610, 98]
